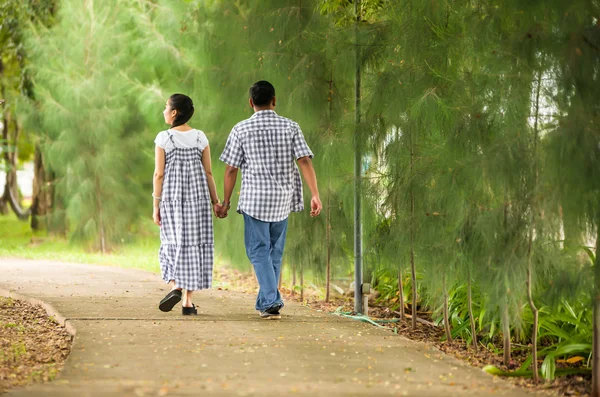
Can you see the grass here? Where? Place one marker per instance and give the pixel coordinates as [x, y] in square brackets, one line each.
[48, 372]
[13, 353]
[18, 350]
[17, 240]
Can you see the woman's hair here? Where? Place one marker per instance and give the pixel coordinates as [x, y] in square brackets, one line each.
[184, 106]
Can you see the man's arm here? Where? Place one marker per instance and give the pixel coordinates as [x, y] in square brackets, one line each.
[229, 184]
[233, 157]
[308, 172]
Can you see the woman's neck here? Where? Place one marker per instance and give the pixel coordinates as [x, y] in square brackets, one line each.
[182, 128]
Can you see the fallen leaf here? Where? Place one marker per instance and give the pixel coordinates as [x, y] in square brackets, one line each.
[575, 359]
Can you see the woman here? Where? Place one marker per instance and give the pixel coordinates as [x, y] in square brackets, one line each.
[184, 189]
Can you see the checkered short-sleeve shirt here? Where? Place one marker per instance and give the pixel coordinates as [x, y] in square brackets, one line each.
[265, 148]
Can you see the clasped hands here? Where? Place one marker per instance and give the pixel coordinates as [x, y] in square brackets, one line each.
[220, 210]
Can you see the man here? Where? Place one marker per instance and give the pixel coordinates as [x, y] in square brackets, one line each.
[265, 147]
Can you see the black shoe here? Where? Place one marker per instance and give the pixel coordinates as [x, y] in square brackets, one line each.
[268, 316]
[169, 301]
[189, 311]
[274, 310]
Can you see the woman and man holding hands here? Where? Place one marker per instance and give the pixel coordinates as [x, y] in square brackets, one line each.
[266, 148]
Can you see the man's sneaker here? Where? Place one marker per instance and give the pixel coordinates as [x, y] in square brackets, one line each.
[269, 316]
[274, 310]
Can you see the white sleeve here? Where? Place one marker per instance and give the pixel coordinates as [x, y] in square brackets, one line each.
[161, 139]
[203, 140]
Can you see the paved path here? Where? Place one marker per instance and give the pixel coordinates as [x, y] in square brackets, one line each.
[125, 346]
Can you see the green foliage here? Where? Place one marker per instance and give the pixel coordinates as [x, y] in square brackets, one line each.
[16, 17]
[344, 10]
[478, 136]
[492, 370]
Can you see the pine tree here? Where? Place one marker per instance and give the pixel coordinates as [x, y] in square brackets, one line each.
[88, 116]
[16, 85]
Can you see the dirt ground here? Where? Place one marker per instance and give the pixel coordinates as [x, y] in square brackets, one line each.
[33, 348]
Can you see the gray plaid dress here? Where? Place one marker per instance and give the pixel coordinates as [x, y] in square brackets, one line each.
[186, 233]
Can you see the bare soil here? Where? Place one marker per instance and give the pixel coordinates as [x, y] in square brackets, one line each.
[33, 347]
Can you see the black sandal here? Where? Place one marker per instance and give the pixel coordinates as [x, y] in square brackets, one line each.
[169, 301]
[189, 311]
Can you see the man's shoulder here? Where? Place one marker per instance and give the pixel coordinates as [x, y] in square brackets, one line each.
[289, 123]
[242, 127]
[273, 120]
[284, 120]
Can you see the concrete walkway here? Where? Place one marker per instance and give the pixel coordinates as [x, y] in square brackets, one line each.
[125, 346]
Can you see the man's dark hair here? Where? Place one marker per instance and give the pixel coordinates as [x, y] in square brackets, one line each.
[262, 93]
[184, 106]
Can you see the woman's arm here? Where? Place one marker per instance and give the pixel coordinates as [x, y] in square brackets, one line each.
[212, 188]
[159, 174]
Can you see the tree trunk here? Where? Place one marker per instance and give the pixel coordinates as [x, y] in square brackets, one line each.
[328, 218]
[446, 315]
[293, 278]
[358, 275]
[42, 194]
[412, 239]
[5, 158]
[401, 295]
[596, 331]
[301, 283]
[57, 224]
[506, 334]
[533, 209]
[5, 198]
[11, 188]
[102, 237]
[534, 310]
[471, 318]
[413, 275]
[505, 318]
[3, 205]
[101, 230]
[328, 242]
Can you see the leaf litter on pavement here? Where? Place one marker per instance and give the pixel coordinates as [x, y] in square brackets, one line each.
[572, 385]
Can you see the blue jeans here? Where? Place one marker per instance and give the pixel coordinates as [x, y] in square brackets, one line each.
[264, 247]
